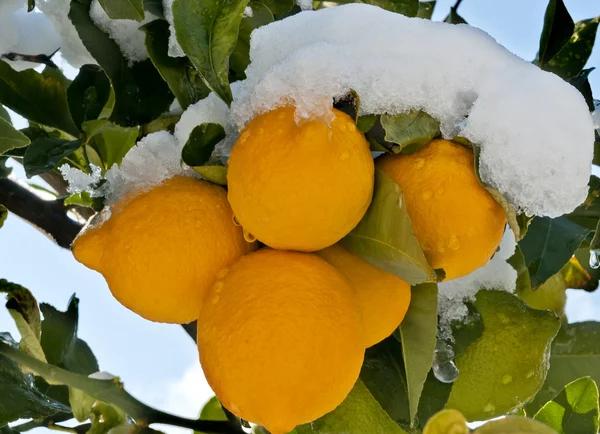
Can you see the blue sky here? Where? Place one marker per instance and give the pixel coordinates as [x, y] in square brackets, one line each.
[158, 362]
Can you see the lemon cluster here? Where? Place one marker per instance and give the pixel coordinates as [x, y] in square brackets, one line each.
[283, 321]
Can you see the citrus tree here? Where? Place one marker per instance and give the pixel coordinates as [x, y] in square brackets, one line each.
[366, 220]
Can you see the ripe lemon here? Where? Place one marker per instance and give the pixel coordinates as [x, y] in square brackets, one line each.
[382, 298]
[300, 187]
[279, 338]
[161, 250]
[458, 223]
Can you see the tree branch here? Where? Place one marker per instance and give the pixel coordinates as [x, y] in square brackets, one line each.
[49, 216]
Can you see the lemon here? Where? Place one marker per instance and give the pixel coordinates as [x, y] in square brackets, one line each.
[382, 298]
[300, 187]
[279, 338]
[161, 249]
[458, 223]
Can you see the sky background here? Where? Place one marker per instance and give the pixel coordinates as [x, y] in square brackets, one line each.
[159, 363]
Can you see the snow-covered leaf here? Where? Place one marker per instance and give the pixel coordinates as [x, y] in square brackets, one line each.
[11, 138]
[240, 56]
[406, 132]
[183, 80]
[385, 238]
[201, 143]
[574, 409]
[558, 29]
[514, 425]
[141, 95]
[426, 9]
[573, 56]
[575, 354]
[110, 141]
[44, 154]
[88, 94]
[40, 97]
[418, 332]
[124, 9]
[207, 31]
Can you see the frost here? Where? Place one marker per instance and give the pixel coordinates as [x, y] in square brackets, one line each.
[496, 274]
[79, 181]
[25, 33]
[248, 12]
[72, 49]
[175, 49]
[534, 129]
[126, 33]
[305, 5]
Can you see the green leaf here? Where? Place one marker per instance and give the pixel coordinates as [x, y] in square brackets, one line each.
[574, 410]
[508, 363]
[578, 274]
[575, 354]
[240, 56]
[4, 114]
[59, 330]
[183, 80]
[514, 425]
[4, 170]
[141, 95]
[84, 199]
[582, 84]
[11, 138]
[155, 7]
[20, 399]
[408, 132]
[447, 422]
[201, 143]
[110, 141]
[212, 410]
[426, 9]
[80, 358]
[207, 31]
[385, 238]
[573, 56]
[366, 122]
[418, 332]
[38, 97]
[279, 7]
[3, 215]
[358, 414]
[454, 18]
[44, 154]
[410, 8]
[215, 174]
[30, 5]
[124, 9]
[434, 397]
[88, 94]
[558, 29]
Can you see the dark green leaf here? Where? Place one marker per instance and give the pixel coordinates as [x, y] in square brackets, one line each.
[240, 56]
[4, 170]
[366, 122]
[88, 94]
[418, 332]
[575, 354]
[38, 97]
[278, 7]
[3, 215]
[155, 7]
[45, 154]
[84, 199]
[578, 274]
[426, 9]
[81, 359]
[385, 238]
[110, 141]
[208, 32]
[59, 330]
[582, 84]
[434, 398]
[349, 104]
[201, 144]
[408, 132]
[454, 18]
[30, 5]
[20, 399]
[574, 409]
[4, 114]
[10, 138]
[215, 174]
[183, 80]
[558, 29]
[573, 56]
[466, 331]
[410, 8]
[124, 9]
[141, 94]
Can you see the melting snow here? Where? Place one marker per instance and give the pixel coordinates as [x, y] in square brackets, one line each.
[175, 49]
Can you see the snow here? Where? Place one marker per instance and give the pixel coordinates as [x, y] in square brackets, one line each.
[305, 5]
[525, 131]
[496, 274]
[175, 49]
[248, 12]
[126, 33]
[596, 118]
[79, 181]
[72, 49]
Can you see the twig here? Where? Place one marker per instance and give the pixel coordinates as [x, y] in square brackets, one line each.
[49, 216]
[44, 59]
[456, 5]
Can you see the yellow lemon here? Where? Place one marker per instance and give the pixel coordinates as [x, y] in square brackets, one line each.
[458, 223]
[160, 250]
[382, 298]
[300, 187]
[279, 338]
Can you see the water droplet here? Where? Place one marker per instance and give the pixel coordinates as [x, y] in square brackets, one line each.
[506, 379]
[441, 248]
[221, 274]
[503, 318]
[489, 407]
[244, 137]
[218, 287]
[427, 195]
[454, 244]
[419, 162]
[344, 156]
[215, 299]
[281, 115]
[444, 368]
[261, 131]
[594, 259]
[246, 427]
[329, 134]
[235, 221]
[352, 128]
[249, 237]
[530, 374]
